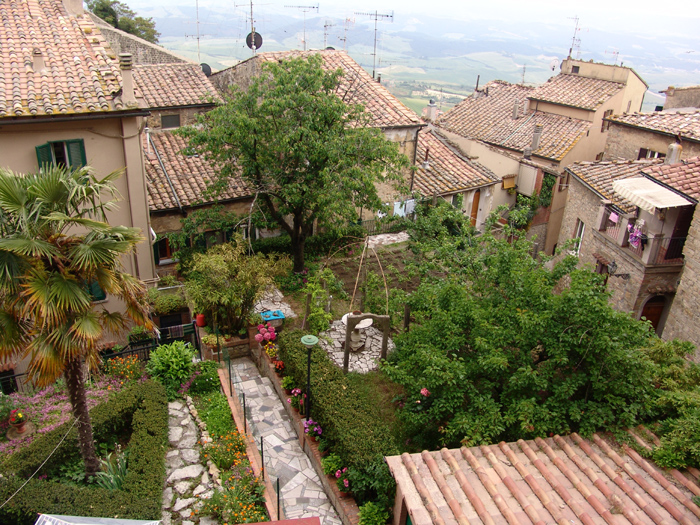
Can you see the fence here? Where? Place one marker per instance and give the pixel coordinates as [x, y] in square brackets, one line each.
[12, 383]
[671, 250]
[142, 349]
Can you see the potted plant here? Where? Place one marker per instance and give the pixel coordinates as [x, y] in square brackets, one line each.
[331, 464]
[270, 350]
[323, 447]
[297, 400]
[139, 334]
[342, 482]
[18, 420]
[279, 367]
[287, 384]
[312, 429]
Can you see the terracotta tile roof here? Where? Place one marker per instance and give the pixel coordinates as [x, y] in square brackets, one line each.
[683, 176]
[449, 171]
[555, 480]
[171, 85]
[576, 91]
[489, 118]
[189, 175]
[600, 177]
[78, 73]
[358, 87]
[685, 123]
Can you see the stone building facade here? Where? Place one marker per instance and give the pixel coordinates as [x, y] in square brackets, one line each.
[685, 97]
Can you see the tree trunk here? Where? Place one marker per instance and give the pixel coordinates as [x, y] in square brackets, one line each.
[298, 247]
[78, 401]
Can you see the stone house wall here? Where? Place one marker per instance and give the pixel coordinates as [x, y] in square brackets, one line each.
[682, 318]
[625, 142]
[688, 97]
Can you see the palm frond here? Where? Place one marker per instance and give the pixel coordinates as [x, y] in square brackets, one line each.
[29, 246]
[113, 322]
[87, 327]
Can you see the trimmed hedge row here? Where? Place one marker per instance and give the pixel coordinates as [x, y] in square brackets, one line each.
[141, 409]
[354, 430]
[317, 245]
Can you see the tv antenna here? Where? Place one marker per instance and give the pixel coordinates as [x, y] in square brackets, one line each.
[344, 38]
[304, 9]
[254, 39]
[376, 16]
[615, 53]
[198, 35]
[575, 40]
[326, 25]
[522, 82]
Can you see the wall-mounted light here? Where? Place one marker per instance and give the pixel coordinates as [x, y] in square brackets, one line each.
[612, 269]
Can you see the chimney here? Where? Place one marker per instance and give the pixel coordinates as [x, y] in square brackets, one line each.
[379, 78]
[426, 164]
[673, 155]
[536, 137]
[74, 7]
[527, 153]
[515, 109]
[125, 60]
[431, 113]
[38, 63]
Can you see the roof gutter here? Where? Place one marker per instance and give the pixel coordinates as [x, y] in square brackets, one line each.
[165, 172]
[73, 118]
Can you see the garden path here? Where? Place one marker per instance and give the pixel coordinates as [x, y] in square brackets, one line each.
[301, 493]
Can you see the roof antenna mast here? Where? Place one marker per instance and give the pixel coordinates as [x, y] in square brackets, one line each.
[575, 41]
[304, 9]
[376, 16]
[344, 38]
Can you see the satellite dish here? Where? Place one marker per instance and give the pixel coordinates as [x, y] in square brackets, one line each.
[258, 40]
[553, 64]
[206, 69]
[329, 48]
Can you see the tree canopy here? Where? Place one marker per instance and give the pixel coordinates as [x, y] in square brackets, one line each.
[119, 15]
[506, 346]
[307, 155]
[55, 246]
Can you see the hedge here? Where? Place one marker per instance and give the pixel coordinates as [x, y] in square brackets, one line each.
[319, 245]
[354, 430]
[140, 409]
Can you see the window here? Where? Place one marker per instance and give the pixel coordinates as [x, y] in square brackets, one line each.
[602, 269]
[457, 201]
[629, 106]
[162, 251]
[96, 292]
[605, 126]
[649, 154]
[600, 156]
[564, 181]
[170, 121]
[68, 153]
[578, 235]
[575, 70]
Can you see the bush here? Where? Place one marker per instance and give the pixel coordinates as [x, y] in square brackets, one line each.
[123, 368]
[241, 501]
[373, 514]
[165, 303]
[171, 365]
[216, 414]
[358, 435]
[320, 245]
[207, 380]
[140, 409]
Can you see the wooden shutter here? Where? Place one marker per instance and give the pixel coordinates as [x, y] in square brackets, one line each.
[44, 155]
[156, 253]
[76, 153]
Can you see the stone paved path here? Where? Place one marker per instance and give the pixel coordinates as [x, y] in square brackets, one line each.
[364, 361]
[187, 479]
[301, 493]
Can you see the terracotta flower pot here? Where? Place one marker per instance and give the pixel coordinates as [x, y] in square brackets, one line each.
[344, 494]
[19, 427]
[200, 320]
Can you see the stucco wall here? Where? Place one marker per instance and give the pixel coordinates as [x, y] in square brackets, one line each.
[624, 142]
[682, 320]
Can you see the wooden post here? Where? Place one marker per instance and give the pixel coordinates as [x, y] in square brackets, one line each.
[352, 320]
[406, 317]
[386, 326]
[308, 310]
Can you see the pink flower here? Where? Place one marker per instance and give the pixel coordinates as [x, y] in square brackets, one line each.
[263, 330]
[345, 470]
[261, 326]
[289, 400]
[266, 336]
[271, 329]
[258, 338]
[337, 473]
[425, 392]
[346, 483]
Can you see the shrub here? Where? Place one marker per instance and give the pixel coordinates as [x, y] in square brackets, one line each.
[166, 302]
[171, 365]
[141, 409]
[123, 368]
[6, 406]
[373, 514]
[216, 414]
[361, 436]
[226, 450]
[331, 463]
[208, 379]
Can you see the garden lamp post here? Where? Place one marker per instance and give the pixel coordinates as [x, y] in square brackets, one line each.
[309, 341]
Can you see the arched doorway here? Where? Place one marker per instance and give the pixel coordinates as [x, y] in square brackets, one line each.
[653, 310]
[475, 207]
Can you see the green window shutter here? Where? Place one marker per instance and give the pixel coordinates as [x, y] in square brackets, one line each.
[156, 253]
[44, 155]
[76, 153]
[97, 293]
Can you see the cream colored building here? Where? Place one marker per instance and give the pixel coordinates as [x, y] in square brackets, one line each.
[73, 111]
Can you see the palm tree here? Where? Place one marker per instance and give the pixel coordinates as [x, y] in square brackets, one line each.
[55, 243]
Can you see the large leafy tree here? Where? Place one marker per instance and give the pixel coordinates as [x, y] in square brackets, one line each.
[119, 15]
[55, 243]
[308, 155]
